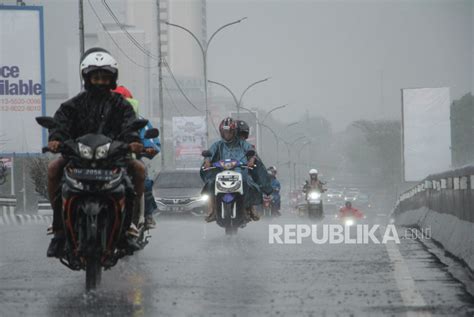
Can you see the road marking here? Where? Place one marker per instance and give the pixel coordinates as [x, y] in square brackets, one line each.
[406, 285]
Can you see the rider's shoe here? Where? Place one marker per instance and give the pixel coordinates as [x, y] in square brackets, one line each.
[211, 215]
[56, 245]
[133, 231]
[150, 223]
[252, 213]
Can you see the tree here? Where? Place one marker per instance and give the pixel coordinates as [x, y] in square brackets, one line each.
[38, 167]
[384, 137]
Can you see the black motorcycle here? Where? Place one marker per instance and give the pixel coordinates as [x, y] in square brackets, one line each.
[97, 199]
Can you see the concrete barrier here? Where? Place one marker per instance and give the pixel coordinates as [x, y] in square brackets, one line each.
[9, 217]
[443, 203]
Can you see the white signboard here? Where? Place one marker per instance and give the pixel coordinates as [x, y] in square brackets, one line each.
[426, 132]
[189, 135]
[22, 96]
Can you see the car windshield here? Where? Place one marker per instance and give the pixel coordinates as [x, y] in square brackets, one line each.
[178, 180]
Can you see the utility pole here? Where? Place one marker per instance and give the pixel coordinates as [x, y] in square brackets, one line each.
[160, 87]
[81, 27]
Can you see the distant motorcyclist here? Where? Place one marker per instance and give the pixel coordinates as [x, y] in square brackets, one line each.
[313, 182]
[96, 109]
[349, 211]
[276, 186]
[152, 148]
[233, 147]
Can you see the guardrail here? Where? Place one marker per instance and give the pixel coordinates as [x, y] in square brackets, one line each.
[444, 203]
[451, 192]
[7, 204]
[44, 207]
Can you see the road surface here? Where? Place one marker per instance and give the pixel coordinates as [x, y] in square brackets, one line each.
[193, 269]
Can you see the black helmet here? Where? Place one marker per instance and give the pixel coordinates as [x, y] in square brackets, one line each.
[348, 204]
[243, 129]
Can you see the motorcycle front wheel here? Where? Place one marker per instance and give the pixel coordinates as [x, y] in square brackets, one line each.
[93, 273]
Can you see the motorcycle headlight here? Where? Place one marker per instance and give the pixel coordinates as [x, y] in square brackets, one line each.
[102, 151]
[314, 195]
[349, 222]
[204, 197]
[85, 151]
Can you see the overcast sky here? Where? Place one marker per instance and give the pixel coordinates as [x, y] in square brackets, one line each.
[343, 60]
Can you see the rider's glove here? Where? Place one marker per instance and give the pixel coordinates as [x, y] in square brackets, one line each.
[207, 164]
[251, 162]
[53, 146]
[136, 147]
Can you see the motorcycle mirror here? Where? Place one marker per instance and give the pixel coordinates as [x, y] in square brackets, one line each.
[206, 153]
[138, 124]
[251, 153]
[46, 122]
[152, 133]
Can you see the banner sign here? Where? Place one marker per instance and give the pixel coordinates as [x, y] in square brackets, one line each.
[22, 95]
[426, 132]
[189, 135]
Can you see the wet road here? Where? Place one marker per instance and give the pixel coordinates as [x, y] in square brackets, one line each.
[192, 269]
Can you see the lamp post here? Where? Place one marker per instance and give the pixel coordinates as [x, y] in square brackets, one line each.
[238, 102]
[204, 49]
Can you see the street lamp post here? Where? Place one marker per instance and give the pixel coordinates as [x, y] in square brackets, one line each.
[260, 124]
[238, 102]
[204, 49]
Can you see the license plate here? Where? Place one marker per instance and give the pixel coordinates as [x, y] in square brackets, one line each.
[92, 174]
[175, 208]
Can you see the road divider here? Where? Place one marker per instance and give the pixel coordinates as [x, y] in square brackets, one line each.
[444, 204]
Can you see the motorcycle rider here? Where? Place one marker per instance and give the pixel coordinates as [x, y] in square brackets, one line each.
[349, 211]
[233, 147]
[92, 110]
[243, 130]
[272, 171]
[152, 148]
[314, 182]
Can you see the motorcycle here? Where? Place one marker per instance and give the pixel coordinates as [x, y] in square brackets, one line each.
[3, 173]
[314, 204]
[229, 193]
[97, 199]
[267, 205]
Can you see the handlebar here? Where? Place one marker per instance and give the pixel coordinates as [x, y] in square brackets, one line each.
[214, 167]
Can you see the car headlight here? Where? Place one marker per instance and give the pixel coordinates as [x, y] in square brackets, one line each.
[102, 151]
[314, 195]
[85, 151]
[204, 197]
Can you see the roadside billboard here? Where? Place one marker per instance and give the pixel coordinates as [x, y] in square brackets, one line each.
[189, 139]
[22, 95]
[426, 132]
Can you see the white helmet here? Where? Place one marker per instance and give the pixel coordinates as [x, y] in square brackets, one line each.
[313, 171]
[98, 60]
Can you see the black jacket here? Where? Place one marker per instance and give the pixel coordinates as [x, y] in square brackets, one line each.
[86, 113]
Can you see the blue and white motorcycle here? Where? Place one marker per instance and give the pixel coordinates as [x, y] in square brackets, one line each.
[229, 194]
